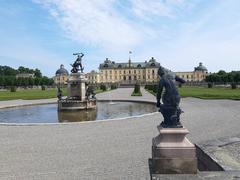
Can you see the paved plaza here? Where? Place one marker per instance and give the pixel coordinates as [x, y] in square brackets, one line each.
[115, 149]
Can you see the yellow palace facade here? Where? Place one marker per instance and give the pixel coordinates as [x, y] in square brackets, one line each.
[141, 72]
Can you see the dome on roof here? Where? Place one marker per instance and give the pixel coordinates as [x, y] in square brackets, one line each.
[61, 71]
[200, 67]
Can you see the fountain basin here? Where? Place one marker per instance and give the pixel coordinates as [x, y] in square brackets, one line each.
[68, 104]
[49, 113]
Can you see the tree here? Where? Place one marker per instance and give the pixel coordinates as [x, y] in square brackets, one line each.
[37, 73]
[7, 71]
[37, 81]
[2, 81]
[236, 77]
[31, 81]
[25, 82]
[221, 72]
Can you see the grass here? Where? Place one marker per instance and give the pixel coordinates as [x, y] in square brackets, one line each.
[209, 93]
[30, 94]
[136, 94]
[197, 92]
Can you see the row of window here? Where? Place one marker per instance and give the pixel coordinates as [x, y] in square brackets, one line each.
[129, 77]
[129, 71]
[191, 76]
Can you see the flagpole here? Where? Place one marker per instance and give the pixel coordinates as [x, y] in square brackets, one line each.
[130, 52]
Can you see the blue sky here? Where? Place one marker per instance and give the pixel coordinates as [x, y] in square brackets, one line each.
[178, 33]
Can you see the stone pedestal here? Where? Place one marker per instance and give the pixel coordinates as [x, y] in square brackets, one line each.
[173, 153]
[76, 86]
[76, 95]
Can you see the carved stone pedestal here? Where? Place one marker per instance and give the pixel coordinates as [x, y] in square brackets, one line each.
[76, 98]
[173, 153]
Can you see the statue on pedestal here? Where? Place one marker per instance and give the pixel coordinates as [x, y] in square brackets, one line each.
[77, 63]
[79, 96]
[170, 108]
[172, 152]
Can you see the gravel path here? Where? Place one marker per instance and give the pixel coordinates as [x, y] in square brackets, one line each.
[117, 149]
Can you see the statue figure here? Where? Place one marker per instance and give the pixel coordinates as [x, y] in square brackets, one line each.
[77, 63]
[59, 94]
[170, 108]
[90, 92]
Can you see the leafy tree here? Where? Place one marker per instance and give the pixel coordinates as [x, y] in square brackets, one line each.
[37, 73]
[221, 72]
[31, 81]
[7, 71]
[223, 77]
[37, 81]
[2, 81]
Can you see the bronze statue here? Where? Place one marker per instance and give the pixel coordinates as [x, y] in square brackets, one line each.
[59, 93]
[170, 108]
[77, 63]
[89, 91]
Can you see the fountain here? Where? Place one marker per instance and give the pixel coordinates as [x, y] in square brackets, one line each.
[79, 97]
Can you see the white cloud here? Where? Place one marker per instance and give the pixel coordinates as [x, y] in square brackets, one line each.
[145, 9]
[94, 23]
[99, 23]
[177, 32]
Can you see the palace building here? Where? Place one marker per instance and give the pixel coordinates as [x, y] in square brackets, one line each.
[198, 75]
[93, 77]
[141, 72]
[129, 72]
[61, 76]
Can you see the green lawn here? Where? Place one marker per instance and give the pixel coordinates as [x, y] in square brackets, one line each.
[198, 92]
[30, 94]
[209, 93]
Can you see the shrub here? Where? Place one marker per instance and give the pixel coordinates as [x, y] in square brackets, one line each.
[154, 88]
[43, 88]
[137, 89]
[210, 85]
[113, 86]
[180, 85]
[234, 85]
[103, 87]
[13, 89]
